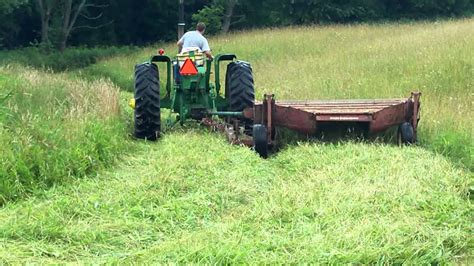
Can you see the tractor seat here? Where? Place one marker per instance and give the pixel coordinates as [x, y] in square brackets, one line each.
[196, 56]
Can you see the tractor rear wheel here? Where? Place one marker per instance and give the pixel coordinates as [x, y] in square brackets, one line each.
[239, 86]
[147, 102]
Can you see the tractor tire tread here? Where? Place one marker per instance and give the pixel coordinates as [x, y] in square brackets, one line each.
[147, 102]
[240, 90]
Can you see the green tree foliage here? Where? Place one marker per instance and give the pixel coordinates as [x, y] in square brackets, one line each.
[212, 16]
[427, 8]
[321, 11]
[17, 27]
[125, 22]
[7, 6]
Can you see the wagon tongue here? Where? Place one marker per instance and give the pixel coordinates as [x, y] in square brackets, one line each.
[188, 68]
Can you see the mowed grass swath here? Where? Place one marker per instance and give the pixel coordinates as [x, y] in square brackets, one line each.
[193, 198]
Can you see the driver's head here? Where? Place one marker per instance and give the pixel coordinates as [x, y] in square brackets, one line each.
[201, 27]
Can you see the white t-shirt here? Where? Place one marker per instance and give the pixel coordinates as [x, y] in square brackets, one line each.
[194, 39]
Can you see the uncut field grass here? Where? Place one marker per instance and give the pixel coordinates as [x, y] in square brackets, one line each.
[192, 198]
[54, 129]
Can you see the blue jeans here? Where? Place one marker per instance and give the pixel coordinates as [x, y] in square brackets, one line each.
[176, 74]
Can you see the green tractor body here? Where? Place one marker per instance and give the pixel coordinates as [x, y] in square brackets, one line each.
[190, 93]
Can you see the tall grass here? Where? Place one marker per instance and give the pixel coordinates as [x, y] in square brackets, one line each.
[192, 198]
[53, 129]
[3, 109]
[360, 61]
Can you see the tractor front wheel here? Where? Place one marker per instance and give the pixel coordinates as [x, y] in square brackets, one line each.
[147, 102]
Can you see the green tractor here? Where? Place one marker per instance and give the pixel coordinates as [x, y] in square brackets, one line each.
[190, 93]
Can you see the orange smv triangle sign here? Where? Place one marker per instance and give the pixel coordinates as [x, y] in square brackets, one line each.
[188, 68]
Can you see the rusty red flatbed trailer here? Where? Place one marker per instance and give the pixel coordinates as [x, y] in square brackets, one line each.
[307, 116]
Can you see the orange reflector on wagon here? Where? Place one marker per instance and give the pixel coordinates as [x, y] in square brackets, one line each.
[188, 68]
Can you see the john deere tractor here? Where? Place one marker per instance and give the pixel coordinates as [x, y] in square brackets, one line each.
[190, 93]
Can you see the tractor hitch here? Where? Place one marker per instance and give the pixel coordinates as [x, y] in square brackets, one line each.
[231, 114]
[259, 134]
[234, 132]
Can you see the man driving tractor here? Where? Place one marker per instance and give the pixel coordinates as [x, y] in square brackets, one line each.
[195, 41]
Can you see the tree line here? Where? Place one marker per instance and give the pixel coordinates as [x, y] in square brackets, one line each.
[59, 23]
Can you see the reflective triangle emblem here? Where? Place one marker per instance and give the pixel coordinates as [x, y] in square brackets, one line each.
[188, 68]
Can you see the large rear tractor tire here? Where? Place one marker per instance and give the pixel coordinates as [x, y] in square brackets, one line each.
[147, 102]
[239, 86]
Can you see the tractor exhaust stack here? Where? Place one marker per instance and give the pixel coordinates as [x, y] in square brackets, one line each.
[181, 23]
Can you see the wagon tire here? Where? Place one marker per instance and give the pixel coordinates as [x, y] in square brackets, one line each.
[147, 120]
[406, 134]
[259, 133]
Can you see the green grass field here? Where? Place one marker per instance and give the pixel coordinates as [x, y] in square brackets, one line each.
[191, 197]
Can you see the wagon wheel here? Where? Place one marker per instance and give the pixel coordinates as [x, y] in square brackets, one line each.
[406, 134]
[259, 133]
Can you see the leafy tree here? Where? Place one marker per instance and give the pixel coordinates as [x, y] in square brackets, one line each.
[229, 14]
[16, 27]
[45, 8]
[220, 15]
[212, 17]
[124, 22]
[7, 6]
[69, 14]
[65, 14]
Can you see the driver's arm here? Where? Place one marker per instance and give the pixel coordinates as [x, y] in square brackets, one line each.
[180, 46]
[180, 43]
[206, 49]
[208, 54]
